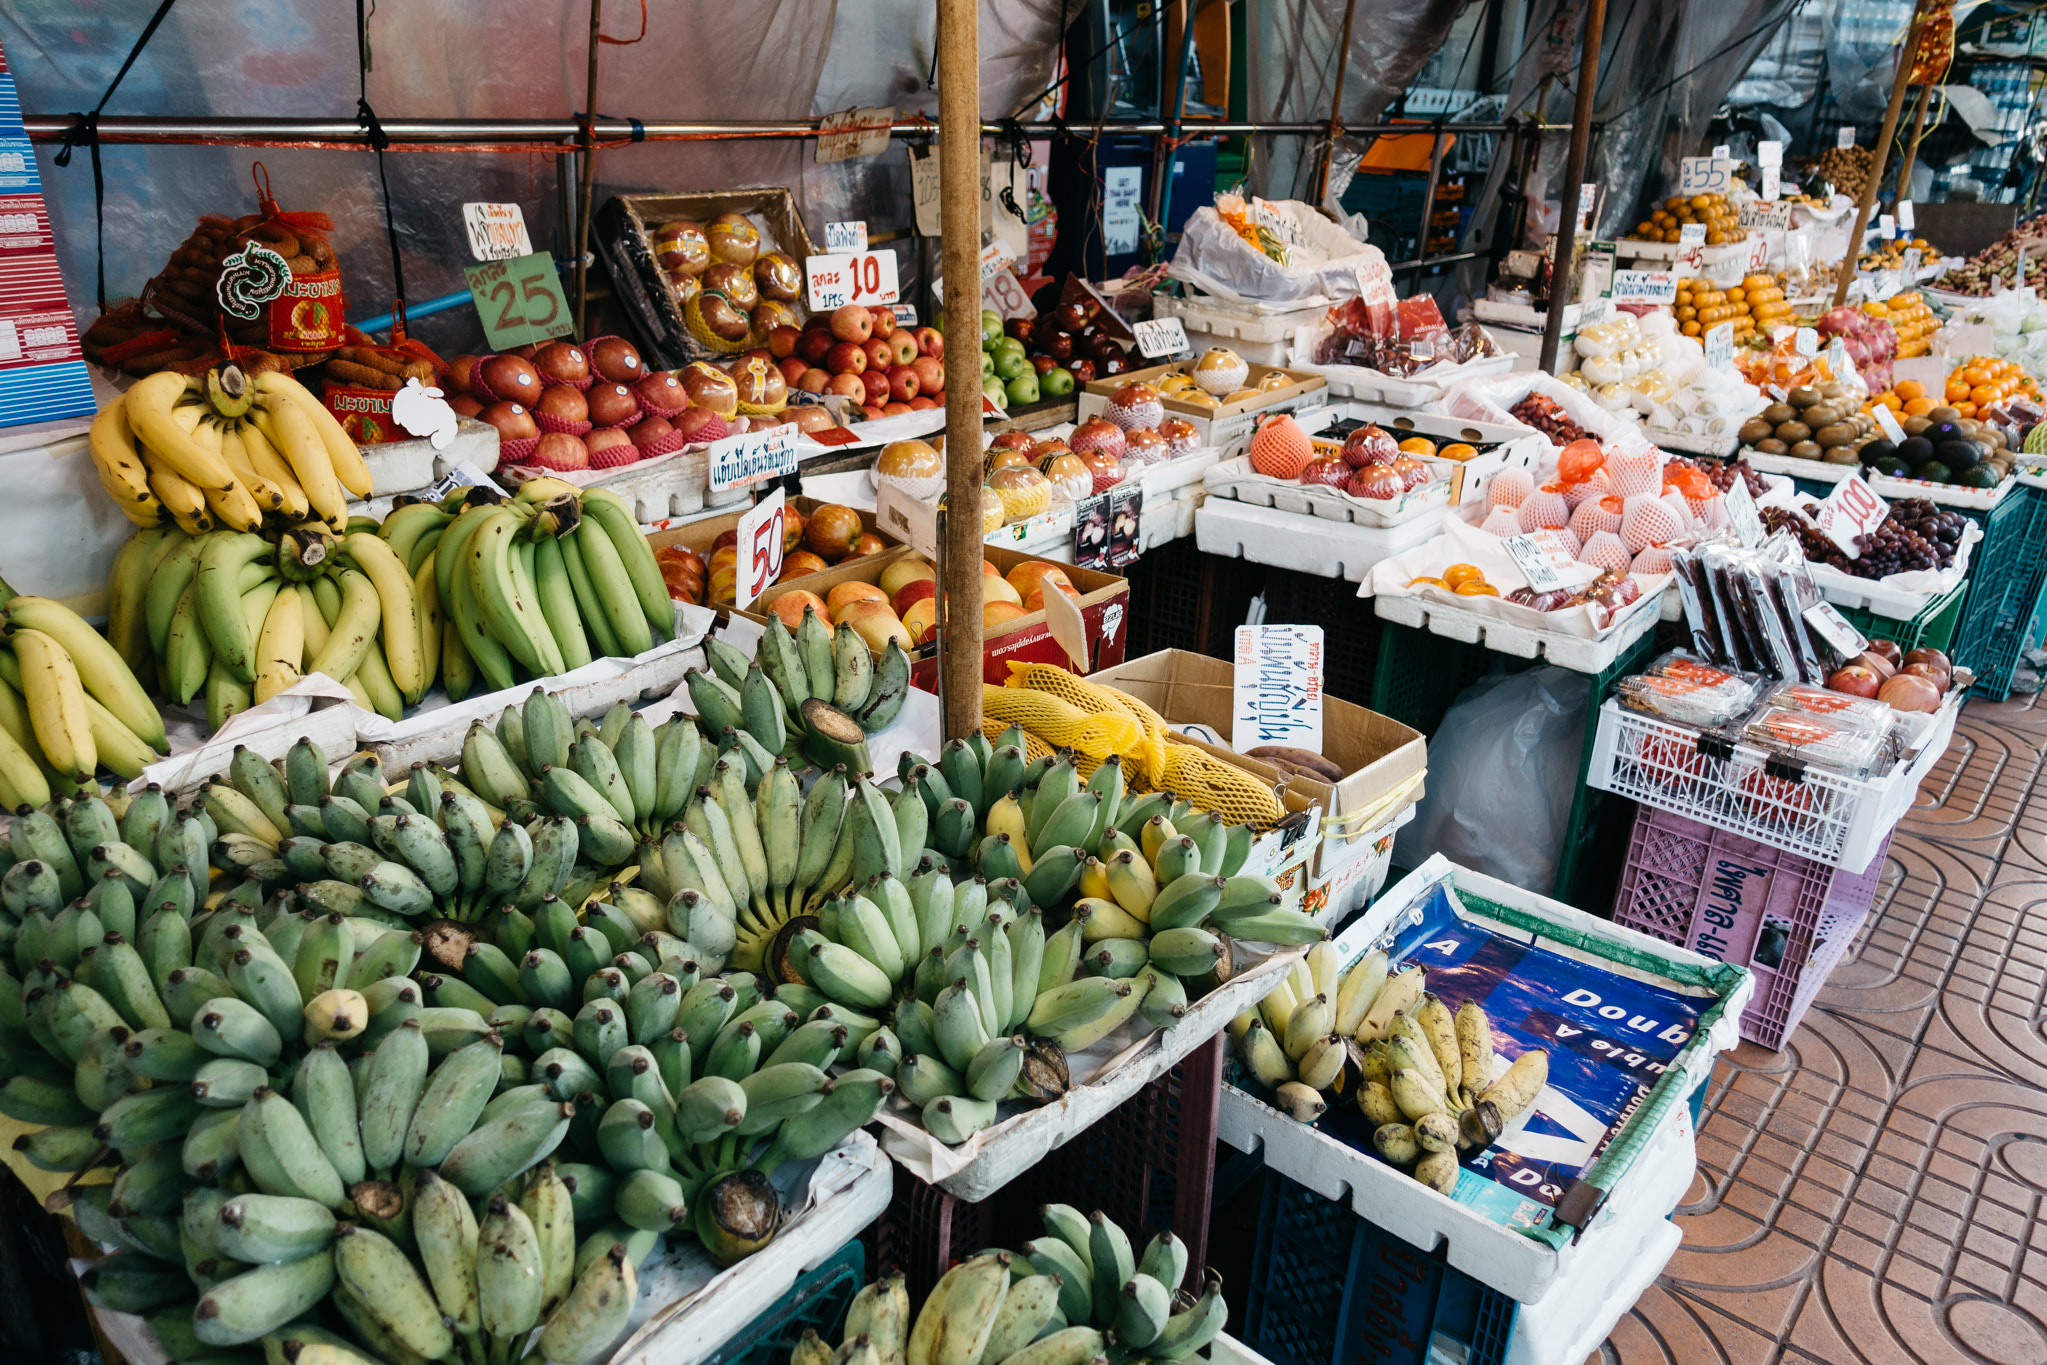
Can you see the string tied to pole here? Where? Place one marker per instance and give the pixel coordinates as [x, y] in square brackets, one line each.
[379, 141]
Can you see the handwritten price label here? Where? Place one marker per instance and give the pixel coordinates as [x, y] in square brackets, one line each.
[1160, 337]
[1547, 563]
[738, 461]
[1830, 625]
[1720, 346]
[1644, 286]
[1742, 514]
[1691, 247]
[867, 277]
[1764, 216]
[519, 300]
[846, 236]
[761, 541]
[1905, 215]
[1852, 509]
[497, 232]
[1704, 174]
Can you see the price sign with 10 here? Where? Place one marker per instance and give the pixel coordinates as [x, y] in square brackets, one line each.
[761, 544]
[867, 277]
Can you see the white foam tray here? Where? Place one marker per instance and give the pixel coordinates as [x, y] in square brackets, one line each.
[1943, 494]
[1306, 544]
[1520, 1267]
[1353, 381]
[1565, 651]
[1239, 482]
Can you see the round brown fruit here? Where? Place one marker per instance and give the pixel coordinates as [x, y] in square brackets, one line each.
[833, 531]
[562, 403]
[512, 420]
[606, 438]
[559, 450]
[614, 358]
[782, 342]
[734, 282]
[868, 544]
[562, 362]
[813, 417]
[778, 277]
[650, 429]
[691, 424]
[710, 387]
[1910, 692]
[460, 370]
[510, 378]
[1943, 667]
[682, 246]
[724, 321]
[733, 239]
[1887, 650]
[662, 389]
[465, 405]
[611, 405]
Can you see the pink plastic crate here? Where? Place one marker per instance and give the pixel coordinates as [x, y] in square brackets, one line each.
[1787, 919]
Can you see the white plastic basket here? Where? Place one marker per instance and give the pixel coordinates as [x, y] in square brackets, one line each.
[1370, 386]
[1238, 481]
[1942, 494]
[1816, 814]
[1288, 540]
[1474, 628]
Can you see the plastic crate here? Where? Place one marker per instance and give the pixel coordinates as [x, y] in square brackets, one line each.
[818, 1302]
[1328, 1288]
[1420, 674]
[1787, 919]
[2008, 587]
[1933, 628]
[1150, 1165]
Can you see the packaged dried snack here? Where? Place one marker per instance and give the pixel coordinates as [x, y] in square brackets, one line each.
[1684, 688]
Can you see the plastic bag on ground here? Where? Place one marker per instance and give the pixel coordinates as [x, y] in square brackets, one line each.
[1508, 752]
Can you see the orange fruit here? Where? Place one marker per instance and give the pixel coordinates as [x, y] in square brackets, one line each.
[1917, 407]
[1983, 393]
[1480, 588]
[1909, 389]
[1957, 388]
[1432, 582]
[1457, 450]
[1418, 445]
[1459, 574]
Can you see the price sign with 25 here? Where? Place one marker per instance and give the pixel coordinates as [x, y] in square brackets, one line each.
[867, 277]
[519, 300]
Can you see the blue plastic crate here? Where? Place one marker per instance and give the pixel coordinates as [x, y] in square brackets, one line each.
[1329, 1288]
[816, 1302]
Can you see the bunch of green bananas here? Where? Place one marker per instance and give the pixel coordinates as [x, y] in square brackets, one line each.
[818, 665]
[1072, 1296]
[983, 995]
[69, 705]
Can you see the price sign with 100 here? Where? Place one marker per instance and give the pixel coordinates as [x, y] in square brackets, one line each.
[519, 300]
[1852, 509]
[761, 544]
[867, 277]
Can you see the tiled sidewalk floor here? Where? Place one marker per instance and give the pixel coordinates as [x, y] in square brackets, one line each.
[1874, 1193]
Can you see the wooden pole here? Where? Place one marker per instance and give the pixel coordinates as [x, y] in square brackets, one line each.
[1846, 274]
[1350, 12]
[1912, 143]
[1560, 282]
[959, 205]
[589, 188]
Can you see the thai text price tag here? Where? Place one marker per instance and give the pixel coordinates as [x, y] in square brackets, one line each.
[1704, 174]
[760, 549]
[1884, 419]
[1769, 153]
[1742, 514]
[1764, 216]
[1644, 286]
[1691, 247]
[1278, 688]
[1852, 509]
[1844, 138]
[867, 277]
[1905, 215]
[497, 232]
[1887, 227]
[1547, 563]
[1914, 257]
[1806, 342]
[737, 461]
[1720, 346]
[520, 300]
[1159, 336]
[846, 236]
[1830, 625]
[854, 132]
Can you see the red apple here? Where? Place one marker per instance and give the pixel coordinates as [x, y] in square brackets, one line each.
[930, 373]
[512, 378]
[1854, 680]
[559, 450]
[869, 412]
[782, 342]
[611, 405]
[905, 347]
[877, 386]
[1083, 368]
[697, 424]
[1909, 692]
[562, 403]
[465, 405]
[793, 368]
[903, 383]
[884, 320]
[914, 591]
[930, 341]
[1943, 668]
[815, 344]
[662, 389]
[604, 438]
[1888, 651]
[880, 355]
[460, 370]
[512, 420]
[648, 430]
[846, 357]
[852, 323]
[1043, 364]
[562, 362]
[922, 404]
[848, 385]
[894, 409]
[815, 381]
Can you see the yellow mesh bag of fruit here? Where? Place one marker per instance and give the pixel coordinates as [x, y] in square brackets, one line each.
[1211, 784]
[1057, 721]
[1141, 761]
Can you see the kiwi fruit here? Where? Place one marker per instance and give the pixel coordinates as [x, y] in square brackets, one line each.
[1805, 450]
[1778, 413]
[1838, 434]
[1793, 432]
[1770, 445]
[1804, 396]
[1916, 424]
[1753, 430]
[1944, 415]
[1833, 391]
[1820, 415]
[1840, 455]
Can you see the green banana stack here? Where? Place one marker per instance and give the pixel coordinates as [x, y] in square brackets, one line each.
[1074, 1296]
[473, 592]
[996, 915]
[1426, 1078]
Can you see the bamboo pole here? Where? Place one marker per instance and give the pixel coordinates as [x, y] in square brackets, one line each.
[959, 201]
[1350, 12]
[1846, 274]
[1560, 282]
[589, 169]
[1912, 142]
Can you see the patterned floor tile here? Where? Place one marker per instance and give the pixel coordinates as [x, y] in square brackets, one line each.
[1873, 1194]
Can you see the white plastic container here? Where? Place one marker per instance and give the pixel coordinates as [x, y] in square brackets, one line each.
[1288, 540]
[1260, 333]
[1239, 482]
[1565, 651]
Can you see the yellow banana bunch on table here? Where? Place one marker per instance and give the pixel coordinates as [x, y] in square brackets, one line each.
[225, 451]
[69, 704]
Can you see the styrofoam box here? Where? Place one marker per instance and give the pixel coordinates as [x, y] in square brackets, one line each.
[1260, 333]
[1351, 878]
[1353, 381]
[1565, 651]
[1525, 1269]
[1288, 540]
[407, 466]
[1239, 482]
[1943, 494]
[1814, 471]
[1517, 444]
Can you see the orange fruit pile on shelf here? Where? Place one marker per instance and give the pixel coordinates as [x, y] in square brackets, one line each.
[1702, 305]
[1910, 318]
[1982, 381]
[1907, 398]
[1668, 222]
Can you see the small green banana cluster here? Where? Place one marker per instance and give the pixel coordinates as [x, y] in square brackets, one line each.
[1297, 1040]
[1072, 1297]
[830, 666]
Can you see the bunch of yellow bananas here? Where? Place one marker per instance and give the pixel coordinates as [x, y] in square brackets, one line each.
[69, 705]
[225, 450]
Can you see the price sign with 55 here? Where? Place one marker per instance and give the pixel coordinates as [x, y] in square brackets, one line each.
[1704, 174]
[867, 277]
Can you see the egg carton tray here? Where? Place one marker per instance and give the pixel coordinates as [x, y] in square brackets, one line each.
[1305, 544]
[1634, 249]
[1565, 651]
[1236, 480]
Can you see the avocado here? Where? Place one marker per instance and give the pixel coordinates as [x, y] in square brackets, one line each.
[1933, 471]
[1915, 450]
[1958, 455]
[1943, 431]
[1893, 466]
[1878, 449]
[1978, 476]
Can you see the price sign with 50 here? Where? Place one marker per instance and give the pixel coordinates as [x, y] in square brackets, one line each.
[867, 277]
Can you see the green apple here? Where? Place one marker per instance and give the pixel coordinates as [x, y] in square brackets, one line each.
[991, 324]
[1024, 388]
[1010, 361]
[987, 365]
[993, 391]
[1056, 382]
